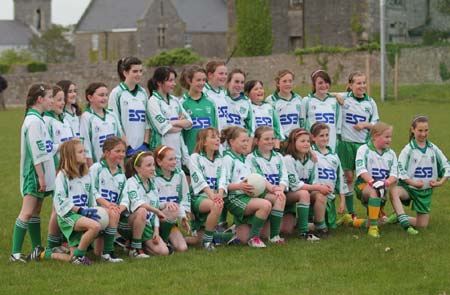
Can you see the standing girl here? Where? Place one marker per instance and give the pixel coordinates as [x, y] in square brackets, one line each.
[167, 115]
[359, 114]
[206, 202]
[263, 112]
[108, 189]
[330, 173]
[420, 165]
[37, 169]
[287, 103]
[72, 110]
[233, 183]
[74, 201]
[128, 101]
[97, 123]
[320, 106]
[216, 72]
[173, 196]
[142, 203]
[239, 107]
[196, 103]
[267, 162]
[302, 175]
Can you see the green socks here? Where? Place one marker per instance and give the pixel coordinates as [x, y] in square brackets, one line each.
[302, 216]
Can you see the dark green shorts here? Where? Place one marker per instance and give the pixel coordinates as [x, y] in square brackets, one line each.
[421, 199]
[347, 154]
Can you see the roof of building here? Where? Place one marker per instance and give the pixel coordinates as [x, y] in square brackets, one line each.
[14, 32]
[109, 15]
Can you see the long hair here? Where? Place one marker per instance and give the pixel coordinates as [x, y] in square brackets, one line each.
[290, 148]
[201, 138]
[34, 92]
[351, 78]
[135, 161]
[124, 64]
[110, 143]
[68, 161]
[319, 74]
[161, 75]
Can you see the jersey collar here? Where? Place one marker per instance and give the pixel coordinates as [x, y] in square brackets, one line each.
[414, 145]
[53, 115]
[234, 156]
[151, 186]
[241, 96]
[66, 112]
[34, 112]
[257, 153]
[216, 156]
[315, 148]
[364, 98]
[133, 92]
[160, 173]
[372, 147]
[313, 96]
[209, 87]
[188, 97]
[159, 96]
[105, 165]
[277, 97]
[89, 110]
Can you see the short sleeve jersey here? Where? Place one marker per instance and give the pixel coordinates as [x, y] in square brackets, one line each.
[379, 165]
[357, 110]
[273, 168]
[265, 115]
[106, 185]
[205, 172]
[138, 194]
[36, 147]
[203, 115]
[174, 189]
[72, 192]
[327, 111]
[130, 109]
[288, 110]
[234, 170]
[423, 164]
[95, 130]
[59, 130]
[300, 173]
[240, 113]
[71, 119]
[221, 105]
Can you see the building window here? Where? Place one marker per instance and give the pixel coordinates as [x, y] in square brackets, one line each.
[296, 4]
[162, 35]
[187, 41]
[94, 42]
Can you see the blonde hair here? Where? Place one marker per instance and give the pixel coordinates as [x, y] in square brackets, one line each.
[201, 138]
[280, 75]
[68, 160]
[110, 143]
[379, 128]
[351, 78]
[231, 133]
[258, 134]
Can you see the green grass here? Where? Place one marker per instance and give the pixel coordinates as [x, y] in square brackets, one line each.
[349, 262]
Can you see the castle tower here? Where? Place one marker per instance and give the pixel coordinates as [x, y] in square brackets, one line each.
[35, 13]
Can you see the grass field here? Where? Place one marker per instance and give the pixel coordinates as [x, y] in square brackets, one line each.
[348, 263]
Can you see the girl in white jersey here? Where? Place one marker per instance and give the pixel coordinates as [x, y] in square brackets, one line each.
[216, 73]
[287, 103]
[74, 201]
[173, 197]
[37, 169]
[267, 162]
[263, 112]
[72, 110]
[206, 200]
[237, 192]
[97, 122]
[142, 203]
[167, 116]
[302, 174]
[128, 101]
[108, 189]
[359, 114]
[422, 167]
[330, 173]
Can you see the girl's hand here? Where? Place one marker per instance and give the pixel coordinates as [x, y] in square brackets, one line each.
[246, 188]
[313, 156]
[341, 208]
[434, 183]
[161, 215]
[186, 226]
[42, 184]
[325, 189]
[339, 98]
[419, 184]
[217, 199]
[279, 195]
[171, 206]
[155, 238]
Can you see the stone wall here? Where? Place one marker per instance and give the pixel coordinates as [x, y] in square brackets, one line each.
[416, 65]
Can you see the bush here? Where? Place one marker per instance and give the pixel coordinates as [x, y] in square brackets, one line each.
[12, 57]
[444, 72]
[434, 37]
[36, 66]
[174, 57]
[4, 68]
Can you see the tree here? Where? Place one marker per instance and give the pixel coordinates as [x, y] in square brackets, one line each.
[254, 28]
[52, 46]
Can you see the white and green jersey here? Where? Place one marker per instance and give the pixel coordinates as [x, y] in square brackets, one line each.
[357, 110]
[329, 172]
[288, 110]
[137, 195]
[95, 130]
[265, 115]
[72, 192]
[204, 172]
[105, 185]
[273, 168]
[71, 119]
[327, 111]
[59, 131]
[36, 147]
[240, 113]
[130, 108]
[218, 98]
[423, 164]
[379, 166]
[234, 170]
[174, 189]
[161, 111]
[300, 173]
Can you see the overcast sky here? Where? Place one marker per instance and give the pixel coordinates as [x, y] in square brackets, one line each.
[64, 12]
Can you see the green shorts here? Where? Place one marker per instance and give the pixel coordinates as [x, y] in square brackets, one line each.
[421, 199]
[148, 233]
[330, 214]
[347, 154]
[236, 204]
[290, 209]
[67, 225]
[166, 229]
[31, 186]
[124, 228]
[199, 218]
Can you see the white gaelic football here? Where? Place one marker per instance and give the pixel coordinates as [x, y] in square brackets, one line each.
[258, 182]
[104, 218]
